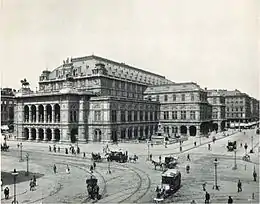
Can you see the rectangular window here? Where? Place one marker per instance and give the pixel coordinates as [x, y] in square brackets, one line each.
[97, 116]
[183, 115]
[183, 97]
[129, 116]
[135, 116]
[114, 119]
[174, 115]
[192, 115]
[146, 116]
[157, 98]
[122, 115]
[192, 97]
[165, 97]
[174, 97]
[166, 115]
[141, 116]
[151, 116]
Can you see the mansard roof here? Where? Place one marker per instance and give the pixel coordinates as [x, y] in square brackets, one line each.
[176, 87]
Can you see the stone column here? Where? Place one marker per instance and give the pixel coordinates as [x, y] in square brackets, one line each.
[188, 130]
[44, 135]
[53, 115]
[37, 114]
[37, 133]
[118, 115]
[45, 114]
[30, 114]
[30, 134]
[53, 135]
[198, 130]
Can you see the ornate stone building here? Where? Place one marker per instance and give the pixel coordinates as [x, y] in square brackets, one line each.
[217, 100]
[184, 108]
[7, 106]
[88, 99]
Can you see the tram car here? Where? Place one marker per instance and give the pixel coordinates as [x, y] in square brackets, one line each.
[171, 182]
[231, 146]
[170, 162]
[93, 188]
[118, 156]
[97, 157]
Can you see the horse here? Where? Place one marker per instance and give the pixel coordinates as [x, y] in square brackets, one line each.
[157, 164]
[134, 158]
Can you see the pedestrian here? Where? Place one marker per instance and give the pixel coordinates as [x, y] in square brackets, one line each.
[2, 184]
[34, 179]
[151, 157]
[18, 145]
[188, 169]
[68, 169]
[54, 169]
[66, 151]
[49, 148]
[204, 186]
[31, 185]
[54, 148]
[195, 144]
[6, 192]
[59, 149]
[151, 144]
[207, 197]
[209, 147]
[188, 157]
[241, 145]
[160, 159]
[230, 200]
[91, 169]
[84, 155]
[78, 150]
[193, 202]
[180, 148]
[239, 186]
[254, 175]
[94, 165]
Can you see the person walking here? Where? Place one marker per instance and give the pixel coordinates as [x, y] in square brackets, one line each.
[195, 143]
[49, 148]
[6, 192]
[31, 185]
[230, 200]
[54, 169]
[160, 159]
[254, 175]
[151, 157]
[188, 157]
[209, 147]
[94, 165]
[34, 179]
[204, 186]
[68, 169]
[207, 197]
[91, 169]
[241, 145]
[84, 155]
[239, 186]
[59, 149]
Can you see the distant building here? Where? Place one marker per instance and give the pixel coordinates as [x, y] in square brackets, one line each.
[184, 108]
[241, 109]
[217, 100]
[7, 106]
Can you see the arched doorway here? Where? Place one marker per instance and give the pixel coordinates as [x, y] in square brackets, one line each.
[33, 132]
[49, 134]
[192, 130]
[146, 131]
[26, 133]
[41, 113]
[97, 135]
[57, 113]
[136, 132]
[57, 135]
[41, 134]
[129, 133]
[49, 113]
[73, 135]
[215, 127]
[26, 113]
[123, 133]
[183, 130]
[114, 136]
[204, 128]
[141, 132]
[33, 113]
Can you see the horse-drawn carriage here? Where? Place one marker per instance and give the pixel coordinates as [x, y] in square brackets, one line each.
[97, 157]
[170, 162]
[93, 188]
[171, 182]
[4, 147]
[231, 146]
[117, 156]
[246, 157]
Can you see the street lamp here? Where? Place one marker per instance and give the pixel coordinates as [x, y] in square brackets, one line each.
[252, 141]
[235, 160]
[148, 150]
[27, 160]
[109, 171]
[216, 187]
[14, 173]
[21, 151]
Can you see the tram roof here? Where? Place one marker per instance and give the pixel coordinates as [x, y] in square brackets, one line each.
[171, 173]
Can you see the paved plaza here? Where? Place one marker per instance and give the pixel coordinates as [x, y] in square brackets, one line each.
[136, 182]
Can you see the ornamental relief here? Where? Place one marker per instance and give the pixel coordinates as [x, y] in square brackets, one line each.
[96, 106]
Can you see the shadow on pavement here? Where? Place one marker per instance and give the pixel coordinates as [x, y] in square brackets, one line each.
[21, 177]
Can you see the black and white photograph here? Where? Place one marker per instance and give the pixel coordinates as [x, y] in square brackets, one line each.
[129, 101]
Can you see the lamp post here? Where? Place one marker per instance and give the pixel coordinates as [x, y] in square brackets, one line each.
[216, 187]
[235, 160]
[27, 160]
[109, 170]
[21, 151]
[252, 141]
[14, 173]
[148, 150]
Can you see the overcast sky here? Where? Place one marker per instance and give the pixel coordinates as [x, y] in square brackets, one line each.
[210, 42]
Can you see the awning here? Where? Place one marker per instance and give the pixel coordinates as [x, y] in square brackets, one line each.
[4, 127]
